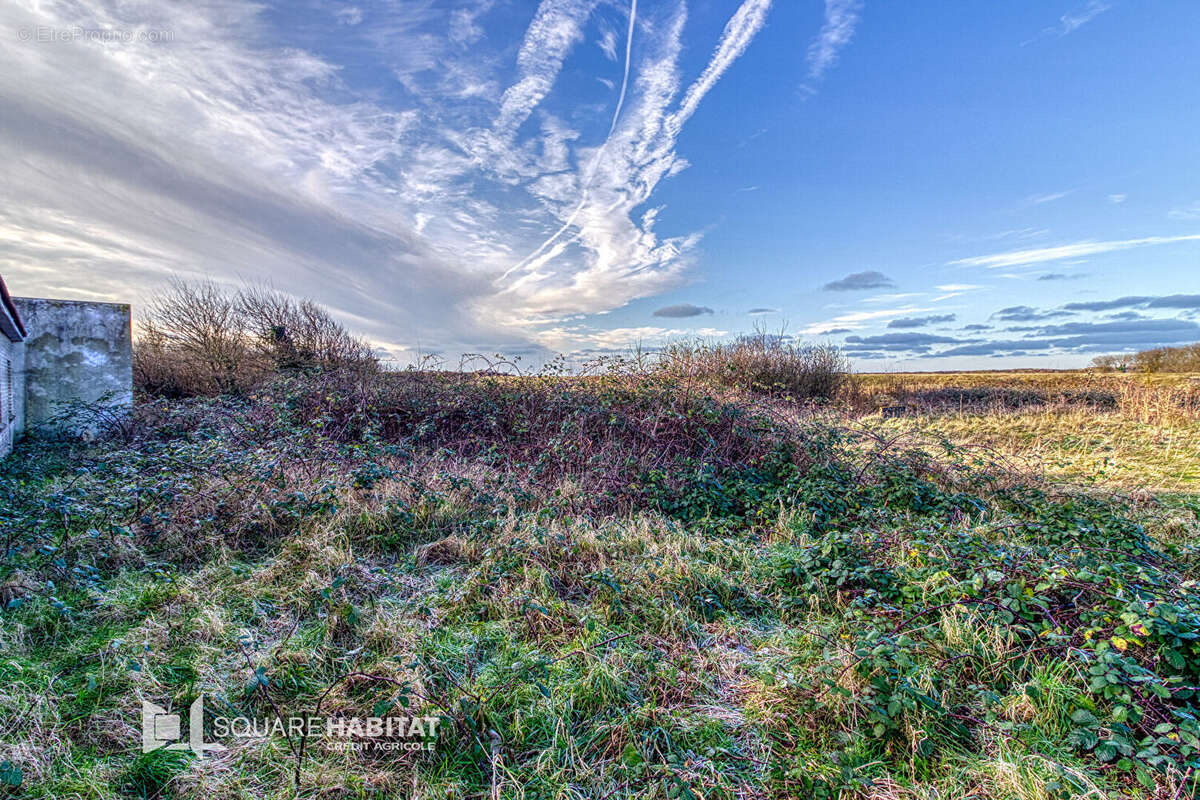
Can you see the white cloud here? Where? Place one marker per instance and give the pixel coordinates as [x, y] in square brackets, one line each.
[245, 157]
[556, 28]
[892, 297]
[628, 259]
[1074, 20]
[464, 26]
[1075, 250]
[608, 44]
[1041, 199]
[579, 337]
[841, 20]
[349, 15]
[953, 290]
[1117, 199]
[856, 319]
[741, 29]
[1187, 213]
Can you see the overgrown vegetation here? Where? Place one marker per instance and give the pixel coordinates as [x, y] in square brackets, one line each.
[1147, 398]
[200, 339]
[674, 579]
[613, 586]
[763, 363]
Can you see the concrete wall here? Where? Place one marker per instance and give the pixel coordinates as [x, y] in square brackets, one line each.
[75, 351]
[7, 392]
[12, 393]
[18, 371]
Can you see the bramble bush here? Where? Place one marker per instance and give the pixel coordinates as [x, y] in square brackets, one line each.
[546, 562]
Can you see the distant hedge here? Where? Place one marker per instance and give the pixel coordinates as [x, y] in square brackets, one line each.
[1161, 359]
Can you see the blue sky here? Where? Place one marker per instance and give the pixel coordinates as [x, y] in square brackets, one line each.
[942, 185]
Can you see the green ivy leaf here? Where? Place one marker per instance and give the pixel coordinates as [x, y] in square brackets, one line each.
[10, 774]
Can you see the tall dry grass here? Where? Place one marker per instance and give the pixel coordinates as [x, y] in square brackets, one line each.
[1151, 400]
[1159, 403]
[761, 363]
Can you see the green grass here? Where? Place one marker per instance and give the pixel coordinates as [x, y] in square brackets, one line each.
[824, 613]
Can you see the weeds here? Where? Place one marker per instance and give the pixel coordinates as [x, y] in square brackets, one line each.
[601, 587]
[763, 363]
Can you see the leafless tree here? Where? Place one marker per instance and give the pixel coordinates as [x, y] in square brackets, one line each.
[198, 337]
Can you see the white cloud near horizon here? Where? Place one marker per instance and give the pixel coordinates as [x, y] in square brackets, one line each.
[1075, 250]
[1042, 199]
[617, 340]
[855, 319]
[892, 297]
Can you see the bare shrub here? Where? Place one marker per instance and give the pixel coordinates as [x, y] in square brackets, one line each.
[297, 333]
[199, 338]
[158, 370]
[762, 363]
[195, 330]
[1112, 363]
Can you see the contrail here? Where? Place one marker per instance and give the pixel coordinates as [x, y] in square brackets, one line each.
[625, 80]
[739, 32]
[591, 176]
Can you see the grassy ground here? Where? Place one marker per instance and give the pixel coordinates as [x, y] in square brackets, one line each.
[1128, 432]
[1081, 446]
[610, 589]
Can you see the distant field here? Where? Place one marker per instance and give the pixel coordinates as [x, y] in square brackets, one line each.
[1134, 432]
[1044, 379]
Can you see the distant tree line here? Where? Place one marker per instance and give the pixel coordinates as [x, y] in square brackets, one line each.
[1161, 359]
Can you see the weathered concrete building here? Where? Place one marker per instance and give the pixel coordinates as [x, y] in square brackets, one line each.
[53, 352]
[12, 372]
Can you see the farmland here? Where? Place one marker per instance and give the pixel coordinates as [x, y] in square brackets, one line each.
[1130, 432]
